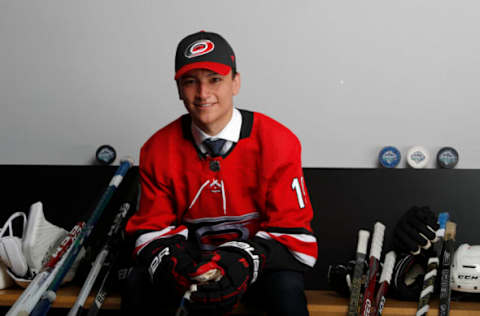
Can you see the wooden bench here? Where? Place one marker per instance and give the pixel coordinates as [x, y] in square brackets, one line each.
[66, 297]
[320, 303]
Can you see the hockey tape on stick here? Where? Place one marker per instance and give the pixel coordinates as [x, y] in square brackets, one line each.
[113, 236]
[48, 296]
[182, 310]
[362, 245]
[432, 268]
[446, 263]
[30, 296]
[384, 282]
[373, 268]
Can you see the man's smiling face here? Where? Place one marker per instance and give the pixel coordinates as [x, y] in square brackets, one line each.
[208, 97]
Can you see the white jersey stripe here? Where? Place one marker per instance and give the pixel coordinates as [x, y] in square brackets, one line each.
[198, 193]
[301, 237]
[263, 235]
[302, 257]
[146, 238]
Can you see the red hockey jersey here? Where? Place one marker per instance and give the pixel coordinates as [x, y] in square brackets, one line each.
[255, 190]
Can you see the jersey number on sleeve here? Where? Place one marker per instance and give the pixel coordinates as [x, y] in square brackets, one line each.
[296, 186]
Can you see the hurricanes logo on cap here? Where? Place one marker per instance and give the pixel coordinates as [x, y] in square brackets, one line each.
[199, 48]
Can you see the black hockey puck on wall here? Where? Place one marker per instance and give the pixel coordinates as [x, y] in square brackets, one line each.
[447, 157]
[106, 154]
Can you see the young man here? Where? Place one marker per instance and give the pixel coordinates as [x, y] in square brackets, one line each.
[222, 194]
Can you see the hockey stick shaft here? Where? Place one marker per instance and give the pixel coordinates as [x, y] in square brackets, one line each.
[373, 267]
[445, 291]
[49, 295]
[112, 236]
[385, 279]
[432, 268]
[362, 244]
[30, 296]
[102, 290]
[88, 284]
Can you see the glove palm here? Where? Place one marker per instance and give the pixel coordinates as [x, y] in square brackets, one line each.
[238, 264]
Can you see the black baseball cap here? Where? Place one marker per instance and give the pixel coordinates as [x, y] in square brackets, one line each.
[204, 50]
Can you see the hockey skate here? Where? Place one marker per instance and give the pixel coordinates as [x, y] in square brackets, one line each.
[41, 238]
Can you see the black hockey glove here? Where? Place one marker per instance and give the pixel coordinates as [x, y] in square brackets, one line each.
[415, 230]
[168, 260]
[408, 275]
[238, 264]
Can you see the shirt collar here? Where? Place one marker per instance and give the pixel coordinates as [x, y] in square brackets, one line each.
[231, 132]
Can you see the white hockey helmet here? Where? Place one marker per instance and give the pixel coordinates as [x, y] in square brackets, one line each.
[465, 272]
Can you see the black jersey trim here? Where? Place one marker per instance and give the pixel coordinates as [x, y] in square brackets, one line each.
[245, 130]
[283, 230]
[247, 123]
[187, 133]
[186, 126]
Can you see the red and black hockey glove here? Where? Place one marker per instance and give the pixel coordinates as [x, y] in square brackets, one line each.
[238, 264]
[415, 230]
[169, 261]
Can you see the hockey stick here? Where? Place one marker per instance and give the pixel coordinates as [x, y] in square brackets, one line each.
[373, 267]
[30, 296]
[49, 295]
[444, 303]
[113, 237]
[103, 289]
[362, 245]
[432, 267]
[385, 278]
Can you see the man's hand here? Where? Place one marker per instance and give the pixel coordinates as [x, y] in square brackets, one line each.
[415, 230]
[237, 264]
[168, 260]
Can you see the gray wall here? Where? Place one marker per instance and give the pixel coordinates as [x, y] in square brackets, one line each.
[348, 77]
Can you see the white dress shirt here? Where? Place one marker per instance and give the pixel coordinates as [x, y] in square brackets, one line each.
[231, 133]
